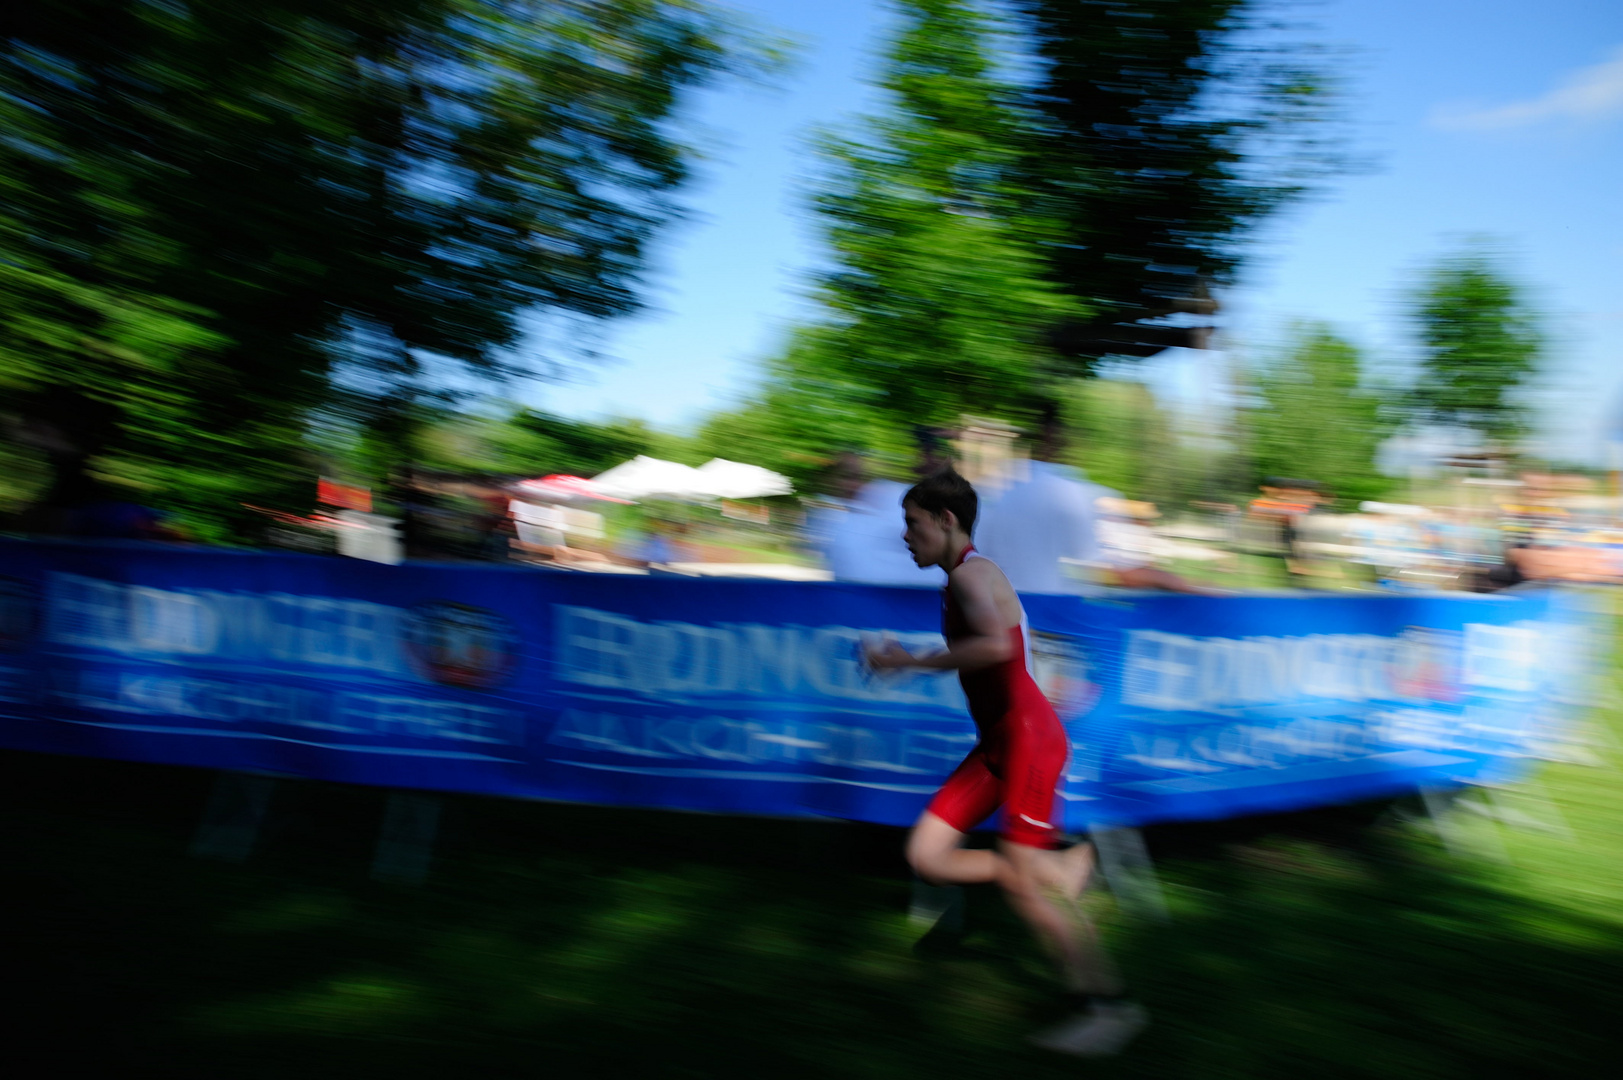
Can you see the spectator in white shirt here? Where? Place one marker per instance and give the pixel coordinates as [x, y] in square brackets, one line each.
[859, 535]
[1044, 530]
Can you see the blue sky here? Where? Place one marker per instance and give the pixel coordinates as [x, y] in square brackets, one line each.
[1481, 118]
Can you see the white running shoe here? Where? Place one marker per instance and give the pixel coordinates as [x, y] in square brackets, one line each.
[1100, 1032]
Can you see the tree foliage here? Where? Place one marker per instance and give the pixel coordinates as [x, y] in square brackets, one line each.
[1122, 437]
[533, 443]
[1481, 341]
[1118, 434]
[1165, 131]
[1314, 417]
[509, 443]
[939, 302]
[984, 230]
[209, 209]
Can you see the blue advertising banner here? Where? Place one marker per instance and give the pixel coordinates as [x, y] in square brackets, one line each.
[740, 695]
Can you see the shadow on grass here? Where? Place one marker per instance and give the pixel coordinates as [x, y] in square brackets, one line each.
[1290, 957]
[571, 941]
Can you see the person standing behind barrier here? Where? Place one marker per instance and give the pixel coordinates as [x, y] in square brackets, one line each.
[857, 537]
[1282, 509]
[1044, 530]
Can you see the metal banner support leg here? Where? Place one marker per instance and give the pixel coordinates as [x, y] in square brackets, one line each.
[1441, 806]
[940, 908]
[1127, 869]
[232, 817]
[406, 841]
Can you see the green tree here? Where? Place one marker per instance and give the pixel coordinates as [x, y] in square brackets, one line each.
[1481, 341]
[211, 210]
[1314, 418]
[518, 442]
[1115, 428]
[1164, 131]
[938, 302]
[535, 443]
[1121, 437]
[986, 234]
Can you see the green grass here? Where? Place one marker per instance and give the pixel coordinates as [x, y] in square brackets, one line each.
[573, 941]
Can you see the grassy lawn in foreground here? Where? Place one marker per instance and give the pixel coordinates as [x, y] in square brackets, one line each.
[575, 941]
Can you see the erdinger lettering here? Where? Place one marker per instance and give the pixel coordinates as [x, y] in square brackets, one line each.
[606, 650]
[265, 628]
[1178, 673]
[459, 645]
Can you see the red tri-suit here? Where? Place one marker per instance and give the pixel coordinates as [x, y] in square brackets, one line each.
[1022, 749]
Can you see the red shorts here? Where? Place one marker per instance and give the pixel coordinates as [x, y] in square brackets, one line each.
[1019, 769]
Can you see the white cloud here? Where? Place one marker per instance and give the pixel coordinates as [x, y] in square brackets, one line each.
[1590, 93]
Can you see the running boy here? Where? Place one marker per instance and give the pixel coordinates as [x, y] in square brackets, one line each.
[1017, 763]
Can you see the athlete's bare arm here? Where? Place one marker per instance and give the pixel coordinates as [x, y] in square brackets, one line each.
[1149, 577]
[990, 608]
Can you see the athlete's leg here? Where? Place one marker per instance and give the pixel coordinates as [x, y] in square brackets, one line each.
[1027, 876]
[935, 846]
[1044, 885]
[1027, 881]
[1072, 869]
[936, 853]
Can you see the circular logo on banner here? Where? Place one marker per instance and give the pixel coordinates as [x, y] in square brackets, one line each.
[16, 613]
[1427, 664]
[1060, 668]
[459, 645]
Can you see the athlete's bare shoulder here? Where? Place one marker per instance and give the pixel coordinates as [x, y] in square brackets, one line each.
[981, 575]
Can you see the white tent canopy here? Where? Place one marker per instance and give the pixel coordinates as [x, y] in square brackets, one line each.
[1395, 509]
[645, 477]
[733, 480]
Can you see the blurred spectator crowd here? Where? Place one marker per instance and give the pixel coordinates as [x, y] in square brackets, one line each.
[1474, 525]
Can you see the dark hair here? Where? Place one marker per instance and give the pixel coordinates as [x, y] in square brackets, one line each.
[946, 490]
